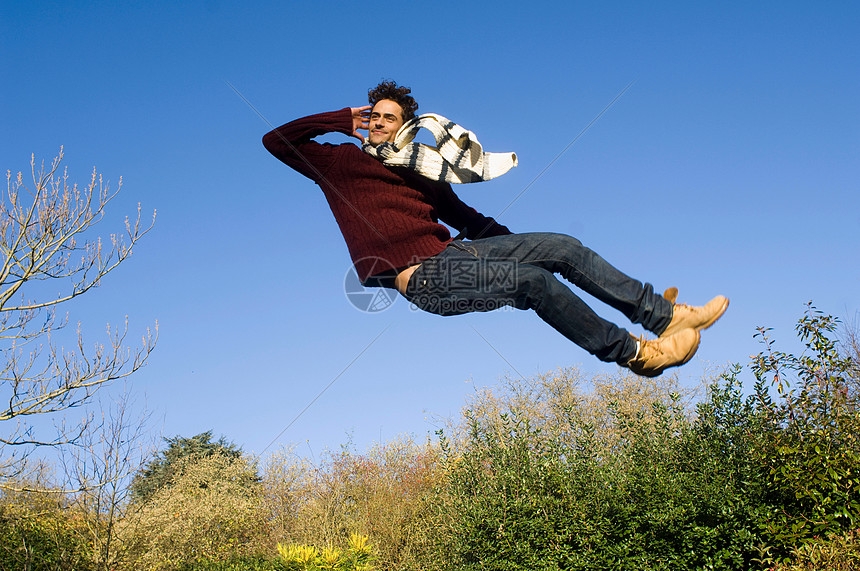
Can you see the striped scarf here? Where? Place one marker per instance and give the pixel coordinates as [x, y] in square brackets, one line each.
[457, 157]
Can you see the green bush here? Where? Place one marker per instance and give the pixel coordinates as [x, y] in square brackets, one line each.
[810, 443]
[630, 477]
[688, 502]
[833, 553]
[38, 532]
[512, 499]
[517, 498]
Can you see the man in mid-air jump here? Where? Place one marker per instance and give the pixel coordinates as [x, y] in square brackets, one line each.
[388, 197]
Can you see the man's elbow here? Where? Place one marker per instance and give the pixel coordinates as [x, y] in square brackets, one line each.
[270, 141]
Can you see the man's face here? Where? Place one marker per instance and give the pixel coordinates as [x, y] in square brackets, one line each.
[386, 118]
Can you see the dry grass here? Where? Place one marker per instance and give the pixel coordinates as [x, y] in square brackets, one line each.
[567, 407]
[380, 494]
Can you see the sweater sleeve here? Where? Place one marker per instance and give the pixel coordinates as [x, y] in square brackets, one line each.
[291, 143]
[464, 218]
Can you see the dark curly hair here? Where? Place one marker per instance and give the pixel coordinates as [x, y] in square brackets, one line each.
[388, 89]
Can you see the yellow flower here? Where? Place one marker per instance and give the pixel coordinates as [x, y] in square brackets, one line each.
[307, 553]
[358, 543]
[298, 553]
[330, 558]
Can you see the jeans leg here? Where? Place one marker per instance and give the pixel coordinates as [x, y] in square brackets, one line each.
[461, 280]
[566, 256]
[562, 309]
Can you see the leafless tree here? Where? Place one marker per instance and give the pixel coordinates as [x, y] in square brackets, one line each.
[100, 467]
[46, 247]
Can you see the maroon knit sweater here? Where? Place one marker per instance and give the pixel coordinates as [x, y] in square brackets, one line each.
[389, 216]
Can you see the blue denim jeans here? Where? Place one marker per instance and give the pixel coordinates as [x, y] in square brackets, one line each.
[518, 270]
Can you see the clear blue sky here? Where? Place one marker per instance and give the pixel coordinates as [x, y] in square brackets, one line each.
[731, 165]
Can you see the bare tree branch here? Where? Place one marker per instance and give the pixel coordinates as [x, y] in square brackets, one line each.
[44, 237]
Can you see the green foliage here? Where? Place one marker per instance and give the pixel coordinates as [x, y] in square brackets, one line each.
[38, 533]
[833, 553]
[687, 502]
[810, 441]
[734, 483]
[513, 499]
[518, 499]
[159, 471]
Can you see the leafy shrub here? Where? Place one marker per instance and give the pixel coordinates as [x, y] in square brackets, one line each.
[644, 491]
[38, 532]
[512, 499]
[834, 553]
[629, 475]
[158, 472]
[211, 511]
[688, 503]
[810, 443]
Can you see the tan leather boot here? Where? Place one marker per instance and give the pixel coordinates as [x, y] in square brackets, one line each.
[695, 317]
[657, 355]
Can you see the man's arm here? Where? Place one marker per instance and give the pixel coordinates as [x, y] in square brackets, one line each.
[291, 143]
[464, 218]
